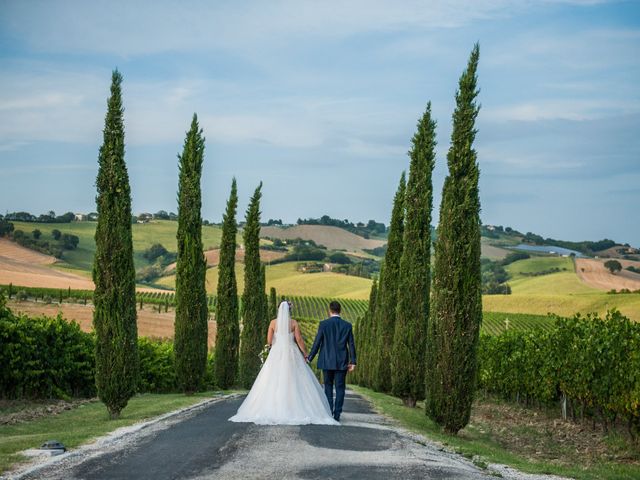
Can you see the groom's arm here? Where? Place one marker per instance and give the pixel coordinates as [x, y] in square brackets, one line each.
[317, 343]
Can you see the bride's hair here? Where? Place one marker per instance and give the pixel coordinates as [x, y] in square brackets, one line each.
[289, 302]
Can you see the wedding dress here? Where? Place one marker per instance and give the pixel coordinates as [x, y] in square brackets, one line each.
[286, 392]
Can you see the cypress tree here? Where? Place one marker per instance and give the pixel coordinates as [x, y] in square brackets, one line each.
[228, 326]
[190, 342]
[413, 289]
[265, 301]
[456, 312]
[370, 342]
[388, 293]
[363, 349]
[273, 303]
[114, 297]
[253, 296]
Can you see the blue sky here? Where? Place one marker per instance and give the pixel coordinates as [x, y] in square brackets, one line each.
[320, 99]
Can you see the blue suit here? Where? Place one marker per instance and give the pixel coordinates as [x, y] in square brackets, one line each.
[335, 343]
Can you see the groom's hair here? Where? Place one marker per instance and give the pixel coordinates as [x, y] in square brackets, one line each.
[334, 307]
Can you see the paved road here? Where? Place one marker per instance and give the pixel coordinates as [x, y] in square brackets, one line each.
[206, 446]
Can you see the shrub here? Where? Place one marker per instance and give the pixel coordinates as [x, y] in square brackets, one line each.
[154, 251]
[44, 357]
[157, 367]
[69, 242]
[340, 258]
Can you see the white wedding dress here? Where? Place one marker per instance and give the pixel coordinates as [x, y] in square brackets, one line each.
[286, 392]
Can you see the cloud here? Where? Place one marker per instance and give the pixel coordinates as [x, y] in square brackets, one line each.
[560, 109]
[141, 28]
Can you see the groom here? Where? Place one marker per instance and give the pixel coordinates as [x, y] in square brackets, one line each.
[337, 355]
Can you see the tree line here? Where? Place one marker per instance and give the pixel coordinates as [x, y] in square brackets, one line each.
[115, 321]
[418, 340]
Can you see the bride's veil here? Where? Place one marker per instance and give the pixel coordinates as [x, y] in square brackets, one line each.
[283, 322]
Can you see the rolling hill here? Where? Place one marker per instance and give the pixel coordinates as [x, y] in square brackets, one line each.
[333, 238]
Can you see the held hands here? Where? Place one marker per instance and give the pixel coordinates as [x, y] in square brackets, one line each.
[351, 367]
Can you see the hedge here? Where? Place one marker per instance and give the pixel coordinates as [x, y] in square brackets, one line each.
[44, 357]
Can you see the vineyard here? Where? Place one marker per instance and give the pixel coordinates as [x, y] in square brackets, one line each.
[590, 366]
[311, 309]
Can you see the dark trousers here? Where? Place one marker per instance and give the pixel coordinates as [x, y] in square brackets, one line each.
[338, 377]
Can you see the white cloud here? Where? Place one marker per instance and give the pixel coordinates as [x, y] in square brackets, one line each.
[138, 28]
[559, 109]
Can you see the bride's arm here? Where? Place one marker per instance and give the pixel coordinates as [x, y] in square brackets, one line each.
[270, 333]
[299, 339]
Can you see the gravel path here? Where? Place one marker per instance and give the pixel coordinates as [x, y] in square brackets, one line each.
[202, 444]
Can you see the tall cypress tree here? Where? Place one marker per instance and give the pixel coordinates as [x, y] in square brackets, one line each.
[388, 293]
[114, 297]
[253, 297]
[413, 293]
[228, 326]
[265, 301]
[190, 343]
[370, 342]
[273, 303]
[456, 312]
[361, 335]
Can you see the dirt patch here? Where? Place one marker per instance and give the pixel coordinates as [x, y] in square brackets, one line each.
[333, 238]
[213, 257]
[593, 273]
[543, 436]
[35, 275]
[13, 251]
[493, 252]
[20, 411]
[150, 322]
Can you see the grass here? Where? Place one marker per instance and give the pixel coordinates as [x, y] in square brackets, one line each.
[538, 264]
[144, 235]
[494, 323]
[84, 423]
[485, 446]
[287, 280]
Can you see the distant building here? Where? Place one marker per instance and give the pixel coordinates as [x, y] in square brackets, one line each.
[144, 217]
[80, 217]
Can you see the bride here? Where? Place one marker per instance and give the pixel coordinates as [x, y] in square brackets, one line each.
[286, 392]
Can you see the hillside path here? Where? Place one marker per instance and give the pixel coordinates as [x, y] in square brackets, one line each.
[204, 445]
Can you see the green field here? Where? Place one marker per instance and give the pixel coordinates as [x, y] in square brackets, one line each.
[288, 281]
[144, 235]
[562, 293]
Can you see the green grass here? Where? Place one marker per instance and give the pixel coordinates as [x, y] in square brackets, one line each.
[86, 422]
[494, 323]
[475, 441]
[288, 281]
[538, 264]
[144, 235]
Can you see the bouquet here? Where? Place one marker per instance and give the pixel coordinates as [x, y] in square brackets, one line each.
[264, 353]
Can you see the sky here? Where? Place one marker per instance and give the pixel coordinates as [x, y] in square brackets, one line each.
[319, 100]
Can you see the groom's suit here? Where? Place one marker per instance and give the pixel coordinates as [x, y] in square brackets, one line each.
[337, 349]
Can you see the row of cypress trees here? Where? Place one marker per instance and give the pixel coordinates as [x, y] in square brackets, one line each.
[418, 338]
[115, 317]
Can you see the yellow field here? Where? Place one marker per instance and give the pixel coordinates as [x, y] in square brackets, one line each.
[287, 280]
[562, 293]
